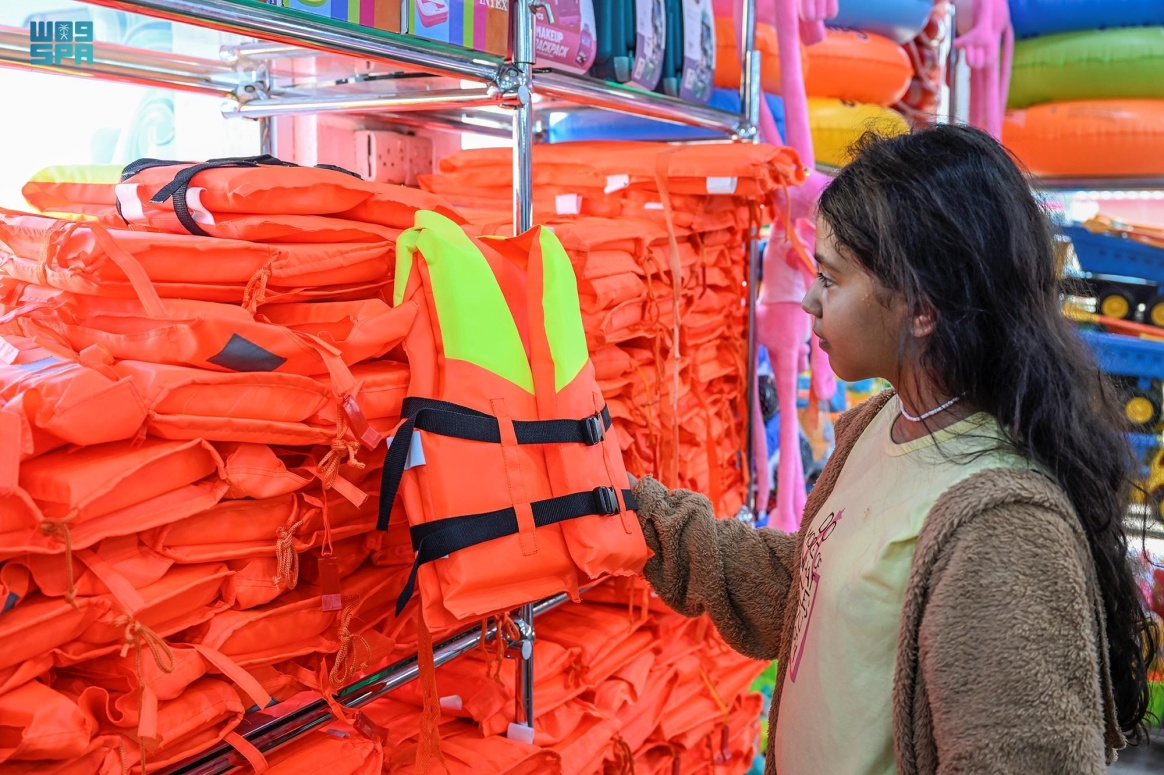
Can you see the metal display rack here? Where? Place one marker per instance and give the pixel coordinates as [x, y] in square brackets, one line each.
[244, 76]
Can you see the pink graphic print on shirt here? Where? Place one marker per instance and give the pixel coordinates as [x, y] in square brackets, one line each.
[810, 562]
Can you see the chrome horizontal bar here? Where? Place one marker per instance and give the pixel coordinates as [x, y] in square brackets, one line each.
[365, 103]
[612, 96]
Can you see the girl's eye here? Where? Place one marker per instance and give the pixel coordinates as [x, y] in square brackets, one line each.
[826, 282]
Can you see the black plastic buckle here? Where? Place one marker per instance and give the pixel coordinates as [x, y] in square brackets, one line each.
[593, 431]
[607, 501]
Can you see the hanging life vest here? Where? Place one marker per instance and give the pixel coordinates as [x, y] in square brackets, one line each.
[513, 483]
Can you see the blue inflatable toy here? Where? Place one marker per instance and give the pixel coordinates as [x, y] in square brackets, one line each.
[604, 125]
[1046, 17]
[900, 20]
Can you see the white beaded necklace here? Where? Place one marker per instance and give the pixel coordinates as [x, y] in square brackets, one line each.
[905, 413]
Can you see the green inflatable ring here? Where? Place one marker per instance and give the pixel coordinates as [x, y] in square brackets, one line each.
[1123, 63]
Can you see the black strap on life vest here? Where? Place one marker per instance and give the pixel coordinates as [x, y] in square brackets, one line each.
[176, 189]
[434, 540]
[448, 419]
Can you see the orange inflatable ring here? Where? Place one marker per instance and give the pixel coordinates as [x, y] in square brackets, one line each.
[1091, 138]
[837, 124]
[859, 67]
[727, 57]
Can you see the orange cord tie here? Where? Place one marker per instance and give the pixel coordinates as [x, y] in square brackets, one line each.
[723, 708]
[624, 758]
[135, 634]
[576, 672]
[286, 558]
[59, 528]
[256, 291]
[346, 663]
[506, 631]
[330, 465]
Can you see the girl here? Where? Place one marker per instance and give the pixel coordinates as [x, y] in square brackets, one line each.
[959, 597]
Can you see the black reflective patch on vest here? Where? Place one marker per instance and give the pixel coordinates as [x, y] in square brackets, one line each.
[244, 355]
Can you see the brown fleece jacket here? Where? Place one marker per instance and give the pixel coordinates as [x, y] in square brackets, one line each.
[1001, 655]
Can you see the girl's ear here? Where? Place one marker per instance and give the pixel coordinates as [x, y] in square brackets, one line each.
[924, 322]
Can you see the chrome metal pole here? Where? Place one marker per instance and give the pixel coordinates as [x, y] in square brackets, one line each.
[750, 96]
[267, 136]
[750, 80]
[266, 732]
[957, 107]
[275, 24]
[521, 16]
[521, 30]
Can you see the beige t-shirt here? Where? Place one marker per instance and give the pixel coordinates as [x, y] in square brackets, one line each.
[836, 711]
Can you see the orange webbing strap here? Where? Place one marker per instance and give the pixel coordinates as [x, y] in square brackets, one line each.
[253, 755]
[138, 279]
[428, 745]
[345, 388]
[662, 168]
[237, 675]
[711, 447]
[10, 430]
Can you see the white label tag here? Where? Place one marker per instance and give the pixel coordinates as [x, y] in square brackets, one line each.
[415, 455]
[568, 204]
[452, 702]
[721, 185]
[194, 204]
[616, 183]
[128, 201]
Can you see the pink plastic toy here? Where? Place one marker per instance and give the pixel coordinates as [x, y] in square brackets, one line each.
[781, 325]
[986, 36]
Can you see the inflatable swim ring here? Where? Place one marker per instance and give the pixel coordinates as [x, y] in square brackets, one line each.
[727, 56]
[858, 66]
[898, 20]
[1123, 63]
[837, 124]
[1093, 138]
[1046, 17]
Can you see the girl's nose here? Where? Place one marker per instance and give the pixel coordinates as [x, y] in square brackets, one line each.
[811, 301]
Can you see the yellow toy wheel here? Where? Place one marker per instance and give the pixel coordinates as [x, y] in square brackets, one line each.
[1116, 305]
[1155, 314]
[1141, 409]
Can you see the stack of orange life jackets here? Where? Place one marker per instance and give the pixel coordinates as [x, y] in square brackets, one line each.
[617, 689]
[194, 391]
[657, 236]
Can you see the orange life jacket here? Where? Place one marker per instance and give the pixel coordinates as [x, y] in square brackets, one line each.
[84, 257]
[512, 483]
[82, 188]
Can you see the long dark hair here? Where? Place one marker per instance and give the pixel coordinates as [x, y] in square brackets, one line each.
[944, 217]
